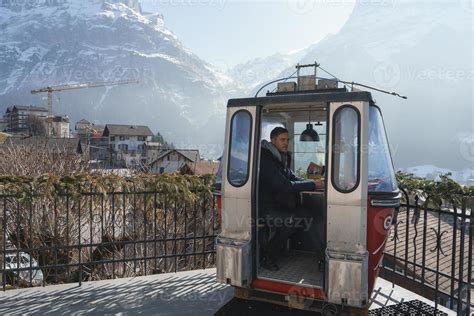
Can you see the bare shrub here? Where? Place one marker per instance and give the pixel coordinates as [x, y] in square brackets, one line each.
[91, 227]
[36, 125]
[34, 156]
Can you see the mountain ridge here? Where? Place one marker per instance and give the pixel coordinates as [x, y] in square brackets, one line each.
[179, 94]
[418, 50]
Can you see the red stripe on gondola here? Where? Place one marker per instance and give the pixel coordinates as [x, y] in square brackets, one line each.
[219, 208]
[291, 289]
[376, 237]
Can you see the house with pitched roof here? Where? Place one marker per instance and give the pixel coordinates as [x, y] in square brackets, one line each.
[127, 144]
[172, 160]
[82, 125]
[3, 125]
[16, 117]
[61, 126]
[153, 150]
[200, 168]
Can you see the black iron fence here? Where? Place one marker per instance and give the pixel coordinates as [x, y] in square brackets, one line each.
[75, 237]
[87, 235]
[430, 250]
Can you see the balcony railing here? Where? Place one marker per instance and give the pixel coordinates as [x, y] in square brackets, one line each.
[89, 235]
[429, 252]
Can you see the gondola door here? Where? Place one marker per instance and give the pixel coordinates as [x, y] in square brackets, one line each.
[346, 253]
[234, 243]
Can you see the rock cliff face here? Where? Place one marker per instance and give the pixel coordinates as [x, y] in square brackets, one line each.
[133, 4]
[422, 49]
[47, 43]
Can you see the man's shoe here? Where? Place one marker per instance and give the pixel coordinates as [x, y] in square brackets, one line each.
[321, 265]
[269, 263]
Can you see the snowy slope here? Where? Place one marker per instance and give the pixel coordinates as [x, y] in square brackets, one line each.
[465, 177]
[422, 49]
[254, 73]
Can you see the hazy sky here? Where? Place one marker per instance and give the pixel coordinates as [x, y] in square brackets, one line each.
[228, 32]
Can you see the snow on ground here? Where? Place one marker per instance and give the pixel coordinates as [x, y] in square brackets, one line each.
[464, 177]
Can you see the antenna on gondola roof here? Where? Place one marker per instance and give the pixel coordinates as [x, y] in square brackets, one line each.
[303, 81]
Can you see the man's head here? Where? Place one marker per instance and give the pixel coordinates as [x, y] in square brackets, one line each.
[279, 137]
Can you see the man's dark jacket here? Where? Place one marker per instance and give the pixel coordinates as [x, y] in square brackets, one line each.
[278, 185]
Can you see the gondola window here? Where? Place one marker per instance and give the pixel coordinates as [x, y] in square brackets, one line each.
[239, 148]
[345, 175]
[381, 174]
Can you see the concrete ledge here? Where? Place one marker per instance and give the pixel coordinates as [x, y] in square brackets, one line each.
[183, 293]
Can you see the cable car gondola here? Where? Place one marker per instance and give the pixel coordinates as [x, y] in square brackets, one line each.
[352, 214]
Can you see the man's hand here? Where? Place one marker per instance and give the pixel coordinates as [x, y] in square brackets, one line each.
[319, 184]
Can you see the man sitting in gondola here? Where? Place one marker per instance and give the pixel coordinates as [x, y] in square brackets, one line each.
[279, 191]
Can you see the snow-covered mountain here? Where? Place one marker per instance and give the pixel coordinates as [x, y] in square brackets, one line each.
[69, 41]
[465, 177]
[258, 71]
[421, 49]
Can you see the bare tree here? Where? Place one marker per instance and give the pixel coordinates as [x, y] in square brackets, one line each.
[38, 157]
[111, 235]
[36, 126]
[122, 223]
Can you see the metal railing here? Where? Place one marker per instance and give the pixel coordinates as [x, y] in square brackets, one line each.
[429, 252]
[75, 237]
[72, 237]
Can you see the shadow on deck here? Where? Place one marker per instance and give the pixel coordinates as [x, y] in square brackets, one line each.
[183, 293]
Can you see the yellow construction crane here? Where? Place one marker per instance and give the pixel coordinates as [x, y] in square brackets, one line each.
[52, 89]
